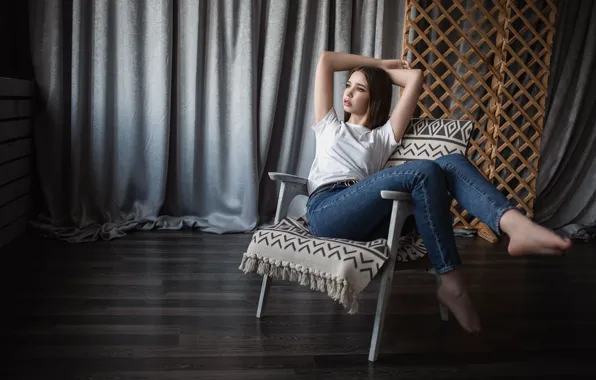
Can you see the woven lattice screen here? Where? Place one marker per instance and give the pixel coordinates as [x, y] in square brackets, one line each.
[487, 61]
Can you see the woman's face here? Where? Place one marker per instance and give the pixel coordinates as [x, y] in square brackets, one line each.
[356, 94]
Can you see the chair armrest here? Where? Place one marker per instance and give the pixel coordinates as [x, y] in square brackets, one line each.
[283, 177]
[291, 187]
[396, 195]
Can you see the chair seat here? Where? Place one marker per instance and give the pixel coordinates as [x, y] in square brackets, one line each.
[342, 268]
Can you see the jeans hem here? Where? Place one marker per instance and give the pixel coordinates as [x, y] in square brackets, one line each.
[447, 269]
[497, 227]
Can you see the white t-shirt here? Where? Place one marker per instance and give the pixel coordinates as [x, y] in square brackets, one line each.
[348, 151]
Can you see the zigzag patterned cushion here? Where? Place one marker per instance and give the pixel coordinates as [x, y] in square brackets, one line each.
[429, 139]
[342, 268]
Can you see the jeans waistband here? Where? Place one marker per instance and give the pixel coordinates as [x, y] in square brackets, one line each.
[328, 186]
[322, 188]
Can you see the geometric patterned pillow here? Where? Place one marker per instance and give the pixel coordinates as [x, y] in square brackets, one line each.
[430, 139]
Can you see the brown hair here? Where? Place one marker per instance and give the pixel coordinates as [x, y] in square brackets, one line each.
[380, 88]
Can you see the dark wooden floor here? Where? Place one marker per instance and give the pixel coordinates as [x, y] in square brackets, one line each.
[173, 305]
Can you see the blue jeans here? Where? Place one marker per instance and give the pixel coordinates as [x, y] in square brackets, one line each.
[358, 212]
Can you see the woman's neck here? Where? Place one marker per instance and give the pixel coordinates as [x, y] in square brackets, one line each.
[355, 119]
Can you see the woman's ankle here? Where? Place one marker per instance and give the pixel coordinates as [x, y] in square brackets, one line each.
[511, 220]
[452, 279]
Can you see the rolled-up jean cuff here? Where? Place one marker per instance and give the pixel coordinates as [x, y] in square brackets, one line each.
[497, 222]
[447, 269]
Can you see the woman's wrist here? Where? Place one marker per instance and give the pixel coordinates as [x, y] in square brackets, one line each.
[339, 61]
[395, 64]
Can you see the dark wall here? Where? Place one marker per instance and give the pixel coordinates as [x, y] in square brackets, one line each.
[15, 55]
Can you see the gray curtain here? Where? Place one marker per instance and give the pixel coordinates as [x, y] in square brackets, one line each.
[566, 184]
[169, 114]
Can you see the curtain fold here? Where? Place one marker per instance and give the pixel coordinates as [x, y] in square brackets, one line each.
[169, 114]
[566, 183]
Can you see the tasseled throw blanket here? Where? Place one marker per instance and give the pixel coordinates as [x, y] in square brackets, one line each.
[339, 267]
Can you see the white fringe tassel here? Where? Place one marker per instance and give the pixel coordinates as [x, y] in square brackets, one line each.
[338, 289]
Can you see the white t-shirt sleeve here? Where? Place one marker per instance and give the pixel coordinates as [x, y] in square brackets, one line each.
[329, 119]
[386, 138]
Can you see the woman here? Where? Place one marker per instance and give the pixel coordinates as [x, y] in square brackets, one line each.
[345, 180]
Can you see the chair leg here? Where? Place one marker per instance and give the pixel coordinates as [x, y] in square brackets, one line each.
[263, 297]
[444, 313]
[400, 212]
[384, 293]
[442, 309]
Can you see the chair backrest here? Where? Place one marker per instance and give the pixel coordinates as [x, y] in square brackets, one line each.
[430, 139]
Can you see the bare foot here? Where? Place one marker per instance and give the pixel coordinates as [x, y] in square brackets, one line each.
[453, 295]
[529, 238]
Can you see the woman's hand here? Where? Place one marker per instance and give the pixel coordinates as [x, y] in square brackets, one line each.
[393, 64]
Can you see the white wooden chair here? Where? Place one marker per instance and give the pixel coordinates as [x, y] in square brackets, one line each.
[292, 186]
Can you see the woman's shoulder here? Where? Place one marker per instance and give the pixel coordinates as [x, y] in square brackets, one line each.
[329, 119]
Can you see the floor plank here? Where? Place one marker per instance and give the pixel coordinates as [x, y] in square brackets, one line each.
[173, 305]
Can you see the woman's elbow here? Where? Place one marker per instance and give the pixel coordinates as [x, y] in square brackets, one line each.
[417, 75]
[324, 60]
[324, 57]
[417, 78]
